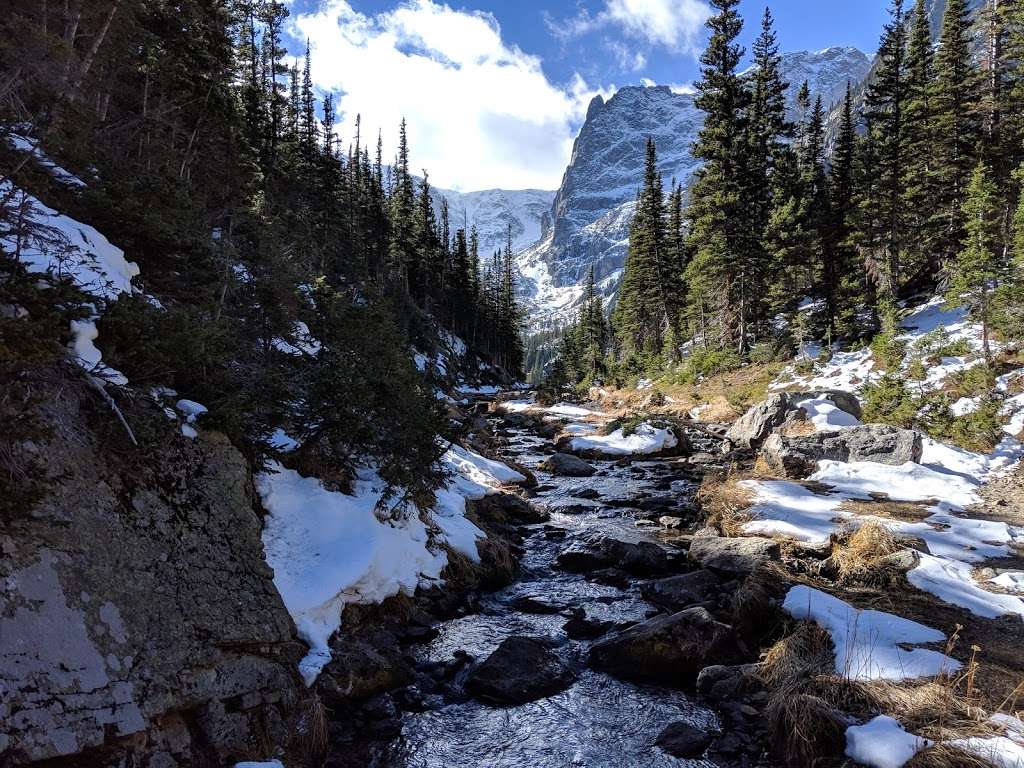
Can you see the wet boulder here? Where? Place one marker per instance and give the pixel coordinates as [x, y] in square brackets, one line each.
[798, 457]
[506, 508]
[678, 592]
[666, 650]
[521, 670]
[728, 683]
[682, 740]
[733, 555]
[596, 553]
[567, 465]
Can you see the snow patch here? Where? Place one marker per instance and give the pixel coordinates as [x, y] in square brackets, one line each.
[882, 743]
[870, 645]
[645, 439]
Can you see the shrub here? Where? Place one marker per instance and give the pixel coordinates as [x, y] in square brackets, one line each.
[889, 401]
[704, 363]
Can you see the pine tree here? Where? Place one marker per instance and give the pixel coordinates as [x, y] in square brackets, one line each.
[767, 132]
[718, 294]
[882, 232]
[852, 289]
[647, 299]
[307, 116]
[920, 194]
[955, 127]
[977, 270]
[402, 246]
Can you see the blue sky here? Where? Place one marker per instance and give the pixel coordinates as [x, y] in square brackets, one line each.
[495, 90]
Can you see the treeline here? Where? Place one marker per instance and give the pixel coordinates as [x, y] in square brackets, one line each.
[296, 273]
[819, 229]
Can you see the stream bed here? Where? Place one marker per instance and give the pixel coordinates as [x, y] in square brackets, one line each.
[599, 721]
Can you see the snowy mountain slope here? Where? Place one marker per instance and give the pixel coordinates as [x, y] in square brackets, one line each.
[591, 212]
[491, 211]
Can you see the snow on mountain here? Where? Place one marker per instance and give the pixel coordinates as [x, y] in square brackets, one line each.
[492, 210]
[591, 212]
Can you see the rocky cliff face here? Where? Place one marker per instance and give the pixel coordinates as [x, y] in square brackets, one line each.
[592, 209]
[139, 621]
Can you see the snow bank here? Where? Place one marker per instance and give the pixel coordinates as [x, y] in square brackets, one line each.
[882, 743]
[791, 510]
[20, 143]
[1005, 751]
[1011, 581]
[476, 476]
[645, 439]
[328, 550]
[870, 645]
[906, 482]
[567, 409]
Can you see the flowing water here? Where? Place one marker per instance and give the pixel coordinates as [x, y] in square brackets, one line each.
[598, 722]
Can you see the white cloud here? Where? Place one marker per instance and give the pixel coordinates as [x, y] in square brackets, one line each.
[673, 24]
[480, 113]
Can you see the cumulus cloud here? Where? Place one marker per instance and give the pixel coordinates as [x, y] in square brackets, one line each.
[673, 24]
[481, 113]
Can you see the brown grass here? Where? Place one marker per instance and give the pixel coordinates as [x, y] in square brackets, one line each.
[805, 729]
[859, 556]
[725, 503]
[806, 652]
[945, 756]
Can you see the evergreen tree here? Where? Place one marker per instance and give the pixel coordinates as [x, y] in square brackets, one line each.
[955, 126]
[647, 306]
[718, 289]
[920, 181]
[977, 270]
[852, 294]
[882, 232]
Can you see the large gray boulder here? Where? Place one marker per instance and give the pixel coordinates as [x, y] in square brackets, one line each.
[751, 430]
[140, 622]
[567, 465]
[798, 457]
[520, 670]
[666, 650]
[733, 555]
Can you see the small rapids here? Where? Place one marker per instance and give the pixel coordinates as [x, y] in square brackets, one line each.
[598, 722]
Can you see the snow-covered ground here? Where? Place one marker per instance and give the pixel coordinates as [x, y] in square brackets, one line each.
[329, 549]
[947, 481]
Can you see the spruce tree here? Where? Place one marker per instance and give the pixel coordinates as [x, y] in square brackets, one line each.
[718, 294]
[920, 194]
[955, 127]
[882, 232]
[852, 293]
[977, 270]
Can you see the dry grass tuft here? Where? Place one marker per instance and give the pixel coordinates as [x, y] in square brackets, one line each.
[945, 756]
[310, 737]
[806, 652]
[805, 729]
[725, 504]
[860, 557]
